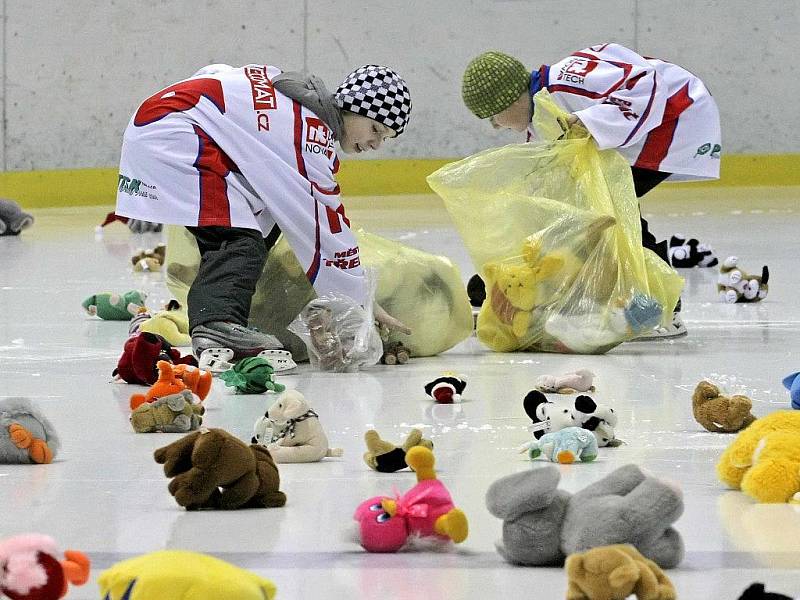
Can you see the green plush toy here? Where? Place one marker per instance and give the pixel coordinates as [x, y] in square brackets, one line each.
[252, 375]
[115, 307]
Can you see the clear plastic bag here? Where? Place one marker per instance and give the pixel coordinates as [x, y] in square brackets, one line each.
[554, 230]
[423, 290]
[339, 334]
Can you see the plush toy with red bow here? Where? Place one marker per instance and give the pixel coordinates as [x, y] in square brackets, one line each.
[30, 568]
[425, 511]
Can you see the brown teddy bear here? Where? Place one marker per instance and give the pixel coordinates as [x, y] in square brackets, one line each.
[151, 259]
[614, 573]
[720, 414]
[212, 469]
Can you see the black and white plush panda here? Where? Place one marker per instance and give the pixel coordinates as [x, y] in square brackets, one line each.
[685, 254]
[546, 416]
[446, 389]
[599, 419]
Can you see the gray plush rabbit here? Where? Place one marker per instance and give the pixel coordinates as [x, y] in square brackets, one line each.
[26, 436]
[542, 524]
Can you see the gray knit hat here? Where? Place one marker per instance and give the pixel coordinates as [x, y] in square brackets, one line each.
[492, 82]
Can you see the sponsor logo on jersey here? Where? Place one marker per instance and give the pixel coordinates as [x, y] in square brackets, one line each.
[136, 187]
[576, 70]
[624, 106]
[319, 139]
[264, 98]
[347, 259]
[715, 149]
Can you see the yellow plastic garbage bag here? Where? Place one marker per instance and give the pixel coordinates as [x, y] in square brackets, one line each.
[553, 228]
[422, 290]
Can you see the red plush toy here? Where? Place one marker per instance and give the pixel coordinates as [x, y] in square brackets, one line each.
[140, 355]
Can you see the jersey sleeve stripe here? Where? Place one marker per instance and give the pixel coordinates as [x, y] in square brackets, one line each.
[313, 270]
[656, 146]
[213, 166]
[568, 89]
[646, 112]
[332, 192]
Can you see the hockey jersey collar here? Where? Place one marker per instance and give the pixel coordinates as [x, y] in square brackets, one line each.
[539, 79]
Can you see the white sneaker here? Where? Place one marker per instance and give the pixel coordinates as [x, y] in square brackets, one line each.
[673, 330]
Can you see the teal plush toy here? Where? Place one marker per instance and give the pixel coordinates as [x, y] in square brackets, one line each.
[564, 446]
[252, 375]
[115, 307]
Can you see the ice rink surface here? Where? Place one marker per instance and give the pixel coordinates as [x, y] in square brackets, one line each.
[105, 495]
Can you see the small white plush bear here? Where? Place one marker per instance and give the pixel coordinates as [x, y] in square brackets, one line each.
[569, 383]
[545, 415]
[291, 431]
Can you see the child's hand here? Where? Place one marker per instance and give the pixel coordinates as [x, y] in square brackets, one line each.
[385, 320]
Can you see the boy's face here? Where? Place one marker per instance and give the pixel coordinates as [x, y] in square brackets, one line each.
[361, 134]
[516, 117]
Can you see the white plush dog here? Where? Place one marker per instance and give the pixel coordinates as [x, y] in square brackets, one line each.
[291, 431]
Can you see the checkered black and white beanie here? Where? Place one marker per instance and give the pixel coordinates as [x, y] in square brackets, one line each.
[377, 93]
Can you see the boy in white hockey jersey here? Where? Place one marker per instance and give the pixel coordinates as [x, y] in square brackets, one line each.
[659, 116]
[240, 155]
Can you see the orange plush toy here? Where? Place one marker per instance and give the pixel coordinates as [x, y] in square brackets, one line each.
[172, 379]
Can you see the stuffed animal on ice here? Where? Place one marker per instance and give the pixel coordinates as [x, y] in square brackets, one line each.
[291, 431]
[385, 457]
[181, 575]
[12, 218]
[718, 413]
[140, 356]
[252, 375]
[171, 324]
[173, 379]
[446, 389]
[735, 285]
[542, 524]
[212, 469]
[614, 573]
[26, 435]
[686, 254]
[151, 259]
[764, 459]
[545, 415]
[425, 511]
[115, 307]
[564, 446]
[569, 383]
[757, 592]
[600, 419]
[792, 383]
[31, 570]
[395, 353]
[175, 413]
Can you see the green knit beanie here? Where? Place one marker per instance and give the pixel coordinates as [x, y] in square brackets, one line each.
[492, 82]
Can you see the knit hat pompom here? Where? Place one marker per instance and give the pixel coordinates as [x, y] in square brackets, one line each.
[492, 82]
[378, 93]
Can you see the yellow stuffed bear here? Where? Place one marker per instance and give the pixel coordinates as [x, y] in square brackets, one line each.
[513, 293]
[171, 323]
[764, 459]
[181, 575]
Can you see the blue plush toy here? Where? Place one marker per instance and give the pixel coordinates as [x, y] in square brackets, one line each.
[564, 446]
[792, 383]
[643, 312]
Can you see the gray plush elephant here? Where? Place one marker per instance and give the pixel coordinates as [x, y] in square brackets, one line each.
[542, 525]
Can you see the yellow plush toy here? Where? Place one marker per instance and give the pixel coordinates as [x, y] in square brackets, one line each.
[171, 324]
[181, 575]
[513, 293]
[614, 573]
[764, 459]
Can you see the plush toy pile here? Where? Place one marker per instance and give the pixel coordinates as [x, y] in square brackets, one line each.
[140, 357]
[26, 435]
[547, 417]
[564, 446]
[171, 324]
[718, 413]
[764, 460]
[182, 575]
[425, 511]
[735, 285]
[212, 469]
[30, 568]
[542, 524]
[174, 379]
[291, 431]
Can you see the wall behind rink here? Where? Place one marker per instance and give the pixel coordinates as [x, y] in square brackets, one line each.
[73, 72]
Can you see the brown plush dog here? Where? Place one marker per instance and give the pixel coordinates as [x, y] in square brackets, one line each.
[720, 414]
[614, 573]
[213, 469]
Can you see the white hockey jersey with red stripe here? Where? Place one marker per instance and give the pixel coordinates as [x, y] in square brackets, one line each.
[658, 115]
[226, 148]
